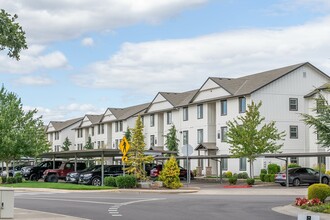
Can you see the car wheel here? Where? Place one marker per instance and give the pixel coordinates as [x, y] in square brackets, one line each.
[34, 177]
[296, 182]
[325, 180]
[283, 184]
[52, 178]
[96, 181]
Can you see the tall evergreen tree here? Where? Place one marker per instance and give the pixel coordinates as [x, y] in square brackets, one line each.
[89, 144]
[172, 142]
[136, 156]
[128, 134]
[66, 144]
[248, 136]
[320, 121]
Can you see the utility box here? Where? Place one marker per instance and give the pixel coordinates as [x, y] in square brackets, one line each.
[6, 203]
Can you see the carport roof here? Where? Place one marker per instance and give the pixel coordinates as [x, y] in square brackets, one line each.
[97, 153]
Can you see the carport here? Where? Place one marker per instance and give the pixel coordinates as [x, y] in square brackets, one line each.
[93, 153]
[281, 156]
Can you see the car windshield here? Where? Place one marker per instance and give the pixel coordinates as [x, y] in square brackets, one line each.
[92, 168]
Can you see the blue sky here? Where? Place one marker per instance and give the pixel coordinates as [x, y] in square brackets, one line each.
[85, 57]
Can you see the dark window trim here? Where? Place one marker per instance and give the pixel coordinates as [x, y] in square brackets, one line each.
[294, 137]
[296, 106]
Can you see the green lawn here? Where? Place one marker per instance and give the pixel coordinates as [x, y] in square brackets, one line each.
[68, 186]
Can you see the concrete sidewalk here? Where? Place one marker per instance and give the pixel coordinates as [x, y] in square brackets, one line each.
[31, 215]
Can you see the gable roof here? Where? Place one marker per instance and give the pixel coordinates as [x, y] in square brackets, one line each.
[124, 113]
[60, 125]
[251, 83]
[176, 99]
[325, 86]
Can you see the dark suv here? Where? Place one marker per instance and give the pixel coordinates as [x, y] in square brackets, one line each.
[53, 175]
[36, 172]
[94, 177]
[73, 177]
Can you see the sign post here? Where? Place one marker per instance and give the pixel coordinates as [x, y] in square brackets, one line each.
[124, 147]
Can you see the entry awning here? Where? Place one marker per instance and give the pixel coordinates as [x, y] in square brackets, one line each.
[207, 146]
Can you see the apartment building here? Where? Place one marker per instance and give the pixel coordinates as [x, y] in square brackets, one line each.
[200, 115]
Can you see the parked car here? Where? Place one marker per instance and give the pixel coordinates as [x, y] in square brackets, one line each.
[301, 175]
[53, 175]
[73, 177]
[36, 172]
[155, 171]
[94, 177]
[12, 171]
[26, 170]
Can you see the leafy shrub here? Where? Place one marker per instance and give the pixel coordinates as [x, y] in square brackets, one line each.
[320, 191]
[273, 168]
[4, 179]
[293, 165]
[10, 180]
[317, 168]
[195, 172]
[327, 172]
[127, 181]
[262, 177]
[228, 174]
[0, 180]
[243, 175]
[269, 178]
[250, 181]
[18, 178]
[170, 174]
[233, 180]
[110, 181]
[263, 171]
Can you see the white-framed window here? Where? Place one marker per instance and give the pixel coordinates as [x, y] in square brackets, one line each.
[80, 133]
[223, 107]
[242, 164]
[242, 104]
[152, 140]
[293, 104]
[57, 135]
[152, 120]
[185, 113]
[293, 132]
[224, 164]
[169, 118]
[102, 128]
[79, 146]
[294, 160]
[200, 111]
[120, 125]
[199, 136]
[116, 126]
[92, 131]
[223, 134]
[57, 148]
[185, 138]
[142, 120]
[116, 143]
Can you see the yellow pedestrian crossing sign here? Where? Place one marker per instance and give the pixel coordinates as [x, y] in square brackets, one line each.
[124, 146]
[124, 158]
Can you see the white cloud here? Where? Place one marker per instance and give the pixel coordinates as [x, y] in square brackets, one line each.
[176, 65]
[87, 42]
[288, 6]
[32, 59]
[46, 21]
[34, 80]
[65, 112]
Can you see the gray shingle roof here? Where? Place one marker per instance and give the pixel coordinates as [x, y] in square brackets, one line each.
[124, 113]
[248, 84]
[316, 90]
[60, 125]
[179, 99]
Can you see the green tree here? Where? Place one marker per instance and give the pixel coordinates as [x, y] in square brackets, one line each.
[136, 156]
[89, 144]
[172, 142]
[170, 174]
[66, 144]
[128, 134]
[248, 136]
[12, 36]
[320, 121]
[22, 134]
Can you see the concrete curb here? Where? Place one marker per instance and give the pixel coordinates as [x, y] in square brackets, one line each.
[294, 211]
[166, 191]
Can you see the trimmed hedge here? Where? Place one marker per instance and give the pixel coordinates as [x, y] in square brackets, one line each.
[233, 180]
[243, 175]
[263, 171]
[273, 168]
[228, 174]
[293, 165]
[127, 181]
[110, 181]
[262, 177]
[269, 178]
[250, 181]
[320, 191]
